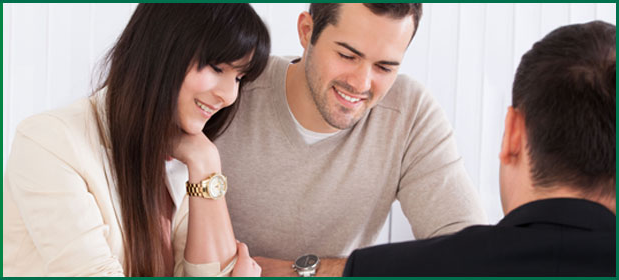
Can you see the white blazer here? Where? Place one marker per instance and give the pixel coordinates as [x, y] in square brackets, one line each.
[61, 213]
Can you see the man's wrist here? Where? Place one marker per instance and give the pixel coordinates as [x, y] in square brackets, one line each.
[306, 265]
[326, 267]
[331, 267]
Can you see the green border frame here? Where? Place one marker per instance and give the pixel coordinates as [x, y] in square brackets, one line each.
[262, 1]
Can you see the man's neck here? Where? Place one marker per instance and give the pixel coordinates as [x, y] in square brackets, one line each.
[300, 101]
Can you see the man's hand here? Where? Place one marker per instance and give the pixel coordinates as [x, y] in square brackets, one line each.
[282, 268]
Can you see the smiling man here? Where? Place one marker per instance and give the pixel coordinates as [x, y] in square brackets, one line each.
[322, 145]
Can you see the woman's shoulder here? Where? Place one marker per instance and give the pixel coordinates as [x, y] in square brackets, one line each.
[73, 127]
[74, 116]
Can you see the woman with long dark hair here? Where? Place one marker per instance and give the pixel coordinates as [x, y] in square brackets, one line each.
[87, 191]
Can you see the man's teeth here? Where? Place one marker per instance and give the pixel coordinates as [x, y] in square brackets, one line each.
[348, 98]
[204, 107]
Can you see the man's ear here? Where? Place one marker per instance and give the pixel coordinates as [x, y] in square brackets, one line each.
[512, 146]
[305, 26]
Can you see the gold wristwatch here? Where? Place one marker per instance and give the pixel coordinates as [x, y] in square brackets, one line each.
[213, 187]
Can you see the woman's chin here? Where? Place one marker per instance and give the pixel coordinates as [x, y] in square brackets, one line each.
[193, 129]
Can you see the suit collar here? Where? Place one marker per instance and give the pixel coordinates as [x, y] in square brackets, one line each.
[579, 213]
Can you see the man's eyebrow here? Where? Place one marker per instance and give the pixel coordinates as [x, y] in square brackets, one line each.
[362, 55]
[355, 51]
[386, 62]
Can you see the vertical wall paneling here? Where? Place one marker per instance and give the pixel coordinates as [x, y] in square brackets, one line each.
[283, 28]
[264, 11]
[527, 23]
[48, 95]
[496, 81]
[58, 54]
[553, 15]
[91, 39]
[606, 12]
[581, 12]
[6, 79]
[400, 228]
[109, 20]
[465, 55]
[416, 59]
[28, 61]
[81, 44]
[385, 233]
[468, 86]
[443, 56]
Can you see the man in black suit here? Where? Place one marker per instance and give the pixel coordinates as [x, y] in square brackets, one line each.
[557, 175]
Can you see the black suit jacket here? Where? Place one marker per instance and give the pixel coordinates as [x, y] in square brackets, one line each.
[553, 237]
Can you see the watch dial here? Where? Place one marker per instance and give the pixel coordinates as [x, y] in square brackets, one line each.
[306, 261]
[216, 187]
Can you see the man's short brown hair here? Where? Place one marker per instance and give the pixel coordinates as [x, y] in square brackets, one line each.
[565, 88]
[324, 14]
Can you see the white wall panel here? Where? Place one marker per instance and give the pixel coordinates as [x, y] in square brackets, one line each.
[28, 67]
[581, 12]
[80, 44]
[108, 21]
[553, 15]
[68, 53]
[606, 12]
[443, 53]
[465, 54]
[417, 58]
[282, 23]
[497, 77]
[384, 236]
[527, 29]
[400, 228]
[6, 78]
[468, 86]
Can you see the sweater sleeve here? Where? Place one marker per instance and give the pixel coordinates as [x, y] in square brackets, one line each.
[60, 214]
[435, 191]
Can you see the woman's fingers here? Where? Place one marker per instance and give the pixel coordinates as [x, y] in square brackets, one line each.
[245, 265]
[242, 249]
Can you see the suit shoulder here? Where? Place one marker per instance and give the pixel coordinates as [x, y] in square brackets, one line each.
[419, 257]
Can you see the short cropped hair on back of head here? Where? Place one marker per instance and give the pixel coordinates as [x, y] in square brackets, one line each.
[565, 88]
[324, 14]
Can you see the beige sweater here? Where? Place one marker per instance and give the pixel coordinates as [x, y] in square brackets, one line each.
[288, 198]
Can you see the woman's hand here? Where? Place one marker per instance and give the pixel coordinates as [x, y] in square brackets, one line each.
[245, 265]
[199, 154]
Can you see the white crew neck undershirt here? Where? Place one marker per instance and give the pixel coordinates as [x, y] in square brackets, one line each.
[310, 137]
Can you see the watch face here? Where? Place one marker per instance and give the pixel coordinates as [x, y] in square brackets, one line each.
[306, 261]
[217, 186]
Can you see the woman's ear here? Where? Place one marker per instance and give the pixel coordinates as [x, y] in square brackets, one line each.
[511, 147]
[305, 26]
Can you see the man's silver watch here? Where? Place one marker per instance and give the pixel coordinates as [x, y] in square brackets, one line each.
[306, 265]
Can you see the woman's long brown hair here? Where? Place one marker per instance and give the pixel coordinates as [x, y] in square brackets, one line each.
[145, 70]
